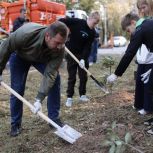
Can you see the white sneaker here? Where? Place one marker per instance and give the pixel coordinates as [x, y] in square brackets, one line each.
[91, 63]
[142, 112]
[150, 131]
[84, 98]
[69, 102]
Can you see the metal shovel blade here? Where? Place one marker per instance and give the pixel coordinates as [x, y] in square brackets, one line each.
[68, 133]
[63, 135]
[72, 132]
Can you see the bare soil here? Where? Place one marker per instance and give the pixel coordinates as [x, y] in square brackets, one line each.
[93, 119]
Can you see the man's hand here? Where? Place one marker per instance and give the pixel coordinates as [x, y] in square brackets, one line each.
[145, 76]
[37, 106]
[111, 78]
[82, 63]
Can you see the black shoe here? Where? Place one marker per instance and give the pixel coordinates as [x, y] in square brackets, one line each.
[58, 122]
[15, 131]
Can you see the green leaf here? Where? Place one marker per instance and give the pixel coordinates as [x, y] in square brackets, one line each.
[123, 148]
[118, 143]
[118, 149]
[114, 137]
[107, 143]
[109, 130]
[112, 149]
[128, 137]
[108, 62]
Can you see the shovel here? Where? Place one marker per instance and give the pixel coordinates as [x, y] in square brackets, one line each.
[100, 85]
[66, 132]
[4, 31]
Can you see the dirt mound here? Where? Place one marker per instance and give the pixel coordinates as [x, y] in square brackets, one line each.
[92, 139]
[93, 119]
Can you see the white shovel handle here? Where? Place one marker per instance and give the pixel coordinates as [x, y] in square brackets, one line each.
[43, 116]
[101, 85]
[4, 31]
[68, 51]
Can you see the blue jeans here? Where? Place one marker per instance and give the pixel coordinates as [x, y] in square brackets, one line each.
[19, 69]
[93, 53]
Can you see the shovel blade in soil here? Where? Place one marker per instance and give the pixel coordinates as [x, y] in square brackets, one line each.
[68, 133]
[72, 132]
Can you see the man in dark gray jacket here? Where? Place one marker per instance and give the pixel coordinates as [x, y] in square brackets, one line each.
[42, 47]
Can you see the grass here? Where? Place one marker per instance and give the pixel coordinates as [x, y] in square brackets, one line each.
[92, 119]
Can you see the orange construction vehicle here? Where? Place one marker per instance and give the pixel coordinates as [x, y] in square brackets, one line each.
[38, 11]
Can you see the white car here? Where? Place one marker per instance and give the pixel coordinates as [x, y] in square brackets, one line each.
[77, 14]
[119, 41]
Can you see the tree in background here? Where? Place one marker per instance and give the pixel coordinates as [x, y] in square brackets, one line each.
[115, 12]
[87, 5]
[116, 9]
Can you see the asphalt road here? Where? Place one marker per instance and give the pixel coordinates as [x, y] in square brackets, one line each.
[115, 50]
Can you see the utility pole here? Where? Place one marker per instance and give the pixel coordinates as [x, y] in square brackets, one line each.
[24, 4]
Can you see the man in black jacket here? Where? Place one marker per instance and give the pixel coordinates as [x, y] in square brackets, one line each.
[18, 22]
[82, 34]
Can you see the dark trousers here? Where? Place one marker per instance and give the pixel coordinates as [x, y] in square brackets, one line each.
[150, 83]
[19, 69]
[73, 68]
[93, 53]
[143, 100]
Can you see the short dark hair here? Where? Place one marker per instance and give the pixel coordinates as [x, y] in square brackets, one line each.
[22, 10]
[94, 14]
[57, 27]
[126, 21]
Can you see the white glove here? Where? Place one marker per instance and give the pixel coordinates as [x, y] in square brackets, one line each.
[111, 78]
[37, 106]
[82, 63]
[145, 76]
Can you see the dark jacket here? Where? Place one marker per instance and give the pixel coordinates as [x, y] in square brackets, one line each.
[28, 43]
[18, 23]
[80, 38]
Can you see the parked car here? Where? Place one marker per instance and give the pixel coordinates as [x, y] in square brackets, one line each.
[77, 14]
[119, 41]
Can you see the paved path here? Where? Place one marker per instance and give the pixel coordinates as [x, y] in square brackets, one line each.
[115, 50]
